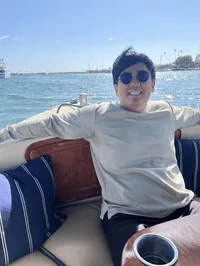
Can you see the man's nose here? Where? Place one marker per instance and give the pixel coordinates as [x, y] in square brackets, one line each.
[134, 82]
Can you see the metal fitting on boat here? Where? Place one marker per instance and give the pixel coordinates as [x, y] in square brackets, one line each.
[74, 101]
[154, 249]
[83, 99]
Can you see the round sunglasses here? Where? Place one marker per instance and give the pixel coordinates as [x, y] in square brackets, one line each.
[127, 77]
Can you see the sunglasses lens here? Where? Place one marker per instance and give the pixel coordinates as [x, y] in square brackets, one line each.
[142, 76]
[126, 77]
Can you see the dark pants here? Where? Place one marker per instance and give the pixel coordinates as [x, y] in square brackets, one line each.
[121, 227]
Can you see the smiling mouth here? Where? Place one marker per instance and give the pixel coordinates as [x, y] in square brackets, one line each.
[135, 93]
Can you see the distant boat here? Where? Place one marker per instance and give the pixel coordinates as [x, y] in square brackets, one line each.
[4, 71]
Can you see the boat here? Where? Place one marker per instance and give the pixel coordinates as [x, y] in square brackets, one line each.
[79, 239]
[4, 71]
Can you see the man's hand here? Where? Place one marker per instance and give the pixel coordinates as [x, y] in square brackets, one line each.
[177, 134]
[1, 136]
[5, 135]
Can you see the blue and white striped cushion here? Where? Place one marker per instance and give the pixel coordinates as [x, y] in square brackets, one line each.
[188, 158]
[27, 215]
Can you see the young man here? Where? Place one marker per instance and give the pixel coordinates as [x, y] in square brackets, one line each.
[132, 146]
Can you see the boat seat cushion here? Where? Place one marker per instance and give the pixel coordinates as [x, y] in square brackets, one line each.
[80, 240]
[27, 215]
[188, 158]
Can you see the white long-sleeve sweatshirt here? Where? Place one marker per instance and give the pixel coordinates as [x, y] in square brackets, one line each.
[133, 153]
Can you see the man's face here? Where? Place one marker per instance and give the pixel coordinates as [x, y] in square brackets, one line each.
[135, 95]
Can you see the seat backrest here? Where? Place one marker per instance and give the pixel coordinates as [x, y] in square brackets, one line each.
[188, 159]
[75, 176]
[74, 173]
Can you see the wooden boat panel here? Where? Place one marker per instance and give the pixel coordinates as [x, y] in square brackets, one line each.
[73, 169]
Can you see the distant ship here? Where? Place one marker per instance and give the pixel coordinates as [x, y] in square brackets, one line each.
[4, 71]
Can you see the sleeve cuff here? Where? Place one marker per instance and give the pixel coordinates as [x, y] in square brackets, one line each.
[190, 132]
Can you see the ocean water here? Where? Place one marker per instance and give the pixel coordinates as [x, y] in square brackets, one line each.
[24, 96]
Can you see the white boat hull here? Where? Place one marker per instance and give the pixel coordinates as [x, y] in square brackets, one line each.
[81, 232]
[4, 71]
[5, 75]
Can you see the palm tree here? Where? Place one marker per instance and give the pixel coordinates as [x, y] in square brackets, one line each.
[175, 54]
[167, 57]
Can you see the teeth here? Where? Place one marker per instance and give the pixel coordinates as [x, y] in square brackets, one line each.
[135, 93]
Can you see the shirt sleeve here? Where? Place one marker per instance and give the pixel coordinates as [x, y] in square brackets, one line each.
[185, 116]
[192, 132]
[74, 123]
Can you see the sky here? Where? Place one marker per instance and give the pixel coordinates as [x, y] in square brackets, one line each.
[67, 35]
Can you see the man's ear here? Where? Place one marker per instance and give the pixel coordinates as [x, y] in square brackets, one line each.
[116, 89]
[153, 85]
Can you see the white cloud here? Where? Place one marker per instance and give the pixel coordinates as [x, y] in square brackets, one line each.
[9, 36]
[17, 39]
[110, 39]
[4, 37]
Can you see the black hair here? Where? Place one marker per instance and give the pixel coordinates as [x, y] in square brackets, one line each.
[128, 58]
